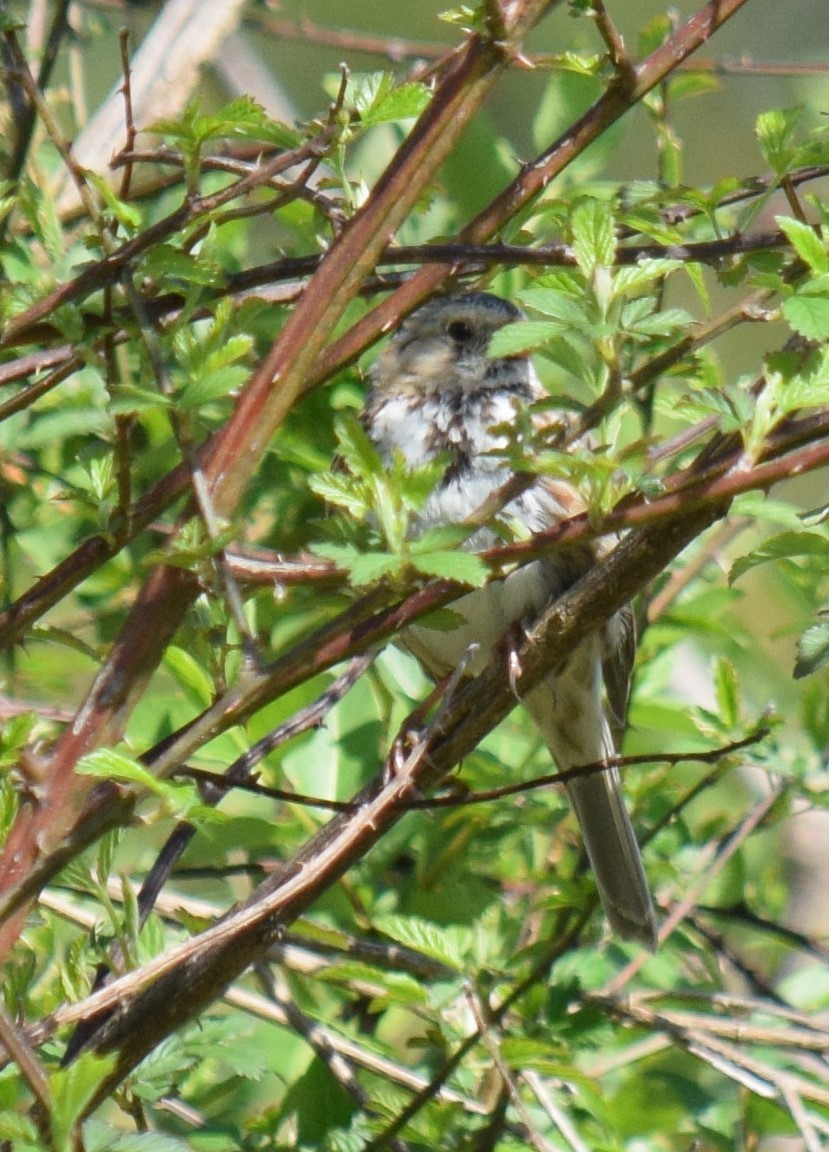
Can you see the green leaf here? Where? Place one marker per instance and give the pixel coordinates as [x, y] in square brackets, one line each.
[809, 387]
[367, 89]
[190, 675]
[808, 244]
[19, 1129]
[212, 385]
[181, 797]
[470, 17]
[165, 260]
[71, 1089]
[343, 555]
[341, 491]
[727, 689]
[775, 132]
[633, 277]
[684, 85]
[812, 650]
[564, 306]
[402, 103]
[126, 214]
[663, 323]
[360, 455]
[594, 236]
[441, 538]
[785, 546]
[465, 567]
[449, 945]
[808, 315]
[373, 566]
[522, 336]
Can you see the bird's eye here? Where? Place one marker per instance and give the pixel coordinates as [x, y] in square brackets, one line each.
[459, 331]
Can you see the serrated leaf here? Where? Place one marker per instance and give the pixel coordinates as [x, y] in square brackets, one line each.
[522, 336]
[71, 1089]
[21, 1130]
[809, 246]
[810, 387]
[449, 945]
[190, 675]
[812, 650]
[373, 566]
[359, 453]
[784, 546]
[633, 277]
[465, 567]
[342, 492]
[126, 214]
[562, 305]
[112, 765]
[594, 237]
[405, 102]
[582, 63]
[695, 274]
[181, 796]
[128, 398]
[166, 260]
[106, 855]
[661, 323]
[808, 315]
[441, 538]
[243, 1058]
[366, 89]
[775, 131]
[213, 385]
[684, 85]
[340, 554]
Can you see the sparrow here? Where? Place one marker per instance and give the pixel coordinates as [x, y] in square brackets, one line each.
[436, 394]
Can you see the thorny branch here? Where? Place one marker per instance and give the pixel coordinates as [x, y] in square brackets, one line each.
[188, 977]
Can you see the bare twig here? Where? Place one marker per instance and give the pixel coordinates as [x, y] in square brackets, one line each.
[486, 1031]
[490, 794]
[19, 1050]
[557, 1114]
[696, 889]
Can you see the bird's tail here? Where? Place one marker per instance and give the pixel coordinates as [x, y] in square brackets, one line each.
[569, 712]
[614, 855]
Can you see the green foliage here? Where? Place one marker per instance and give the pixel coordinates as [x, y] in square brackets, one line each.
[676, 324]
[387, 501]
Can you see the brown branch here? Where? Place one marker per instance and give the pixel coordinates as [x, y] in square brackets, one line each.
[48, 811]
[370, 621]
[294, 364]
[399, 48]
[534, 178]
[224, 782]
[120, 259]
[19, 1049]
[187, 977]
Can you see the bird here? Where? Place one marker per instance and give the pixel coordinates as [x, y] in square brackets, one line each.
[434, 395]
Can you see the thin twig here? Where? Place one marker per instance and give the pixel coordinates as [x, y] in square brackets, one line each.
[490, 1042]
[712, 868]
[488, 795]
[558, 1116]
[19, 1050]
[318, 1040]
[131, 132]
